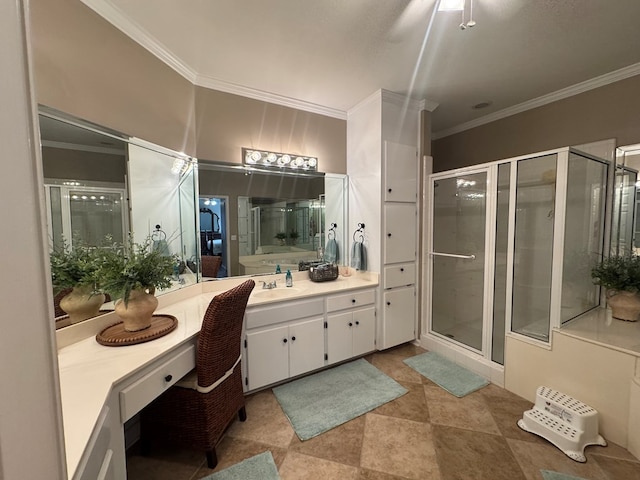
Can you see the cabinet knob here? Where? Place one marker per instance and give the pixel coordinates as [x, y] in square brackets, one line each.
[389, 190]
[350, 324]
[284, 340]
[357, 322]
[353, 300]
[293, 339]
[389, 235]
[168, 378]
[388, 303]
[401, 269]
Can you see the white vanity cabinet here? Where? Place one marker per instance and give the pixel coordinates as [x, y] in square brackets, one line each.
[399, 306]
[98, 463]
[351, 325]
[283, 340]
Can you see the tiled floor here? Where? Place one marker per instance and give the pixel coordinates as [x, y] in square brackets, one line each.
[425, 434]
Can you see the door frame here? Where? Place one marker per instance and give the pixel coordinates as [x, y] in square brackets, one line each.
[491, 172]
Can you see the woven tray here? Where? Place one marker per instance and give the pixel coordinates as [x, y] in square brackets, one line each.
[116, 336]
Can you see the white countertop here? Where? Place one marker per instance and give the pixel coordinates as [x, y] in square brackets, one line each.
[597, 326]
[88, 370]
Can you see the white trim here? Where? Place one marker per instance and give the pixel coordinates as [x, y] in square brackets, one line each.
[233, 88]
[557, 259]
[561, 94]
[138, 34]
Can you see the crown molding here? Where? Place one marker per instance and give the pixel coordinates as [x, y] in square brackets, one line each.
[83, 148]
[576, 89]
[139, 35]
[228, 87]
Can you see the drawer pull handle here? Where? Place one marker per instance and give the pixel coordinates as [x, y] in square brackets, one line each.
[357, 322]
[389, 235]
[284, 340]
[168, 378]
[389, 190]
[402, 269]
[350, 324]
[293, 339]
[388, 303]
[353, 300]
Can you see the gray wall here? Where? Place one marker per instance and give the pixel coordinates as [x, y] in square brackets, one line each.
[611, 111]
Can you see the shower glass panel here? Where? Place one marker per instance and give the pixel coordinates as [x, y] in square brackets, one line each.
[584, 234]
[533, 246]
[624, 195]
[458, 256]
[500, 273]
[96, 214]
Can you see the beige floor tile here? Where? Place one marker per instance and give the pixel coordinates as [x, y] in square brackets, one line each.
[470, 412]
[405, 350]
[266, 423]
[411, 406]
[393, 366]
[373, 475]
[341, 444]
[231, 451]
[612, 450]
[466, 455]
[616, 468]
[399, 447]
[164, 462]
[297, 466]
[533, 457]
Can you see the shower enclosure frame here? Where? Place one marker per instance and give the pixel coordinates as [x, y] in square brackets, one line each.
[481, 361]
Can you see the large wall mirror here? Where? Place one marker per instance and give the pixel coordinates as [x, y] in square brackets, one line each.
[625, 230]
[256, 220]
[101, 183]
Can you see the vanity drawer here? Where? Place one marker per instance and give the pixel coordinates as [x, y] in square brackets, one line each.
[349, 300]
[144, 390]
[283, 312]
[399, 275]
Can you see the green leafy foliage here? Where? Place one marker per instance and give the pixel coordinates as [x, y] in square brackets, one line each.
[135, 266]
[74, 267]
[618, 272]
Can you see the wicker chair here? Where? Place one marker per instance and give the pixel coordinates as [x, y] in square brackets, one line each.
[210, 265]
[197, 410]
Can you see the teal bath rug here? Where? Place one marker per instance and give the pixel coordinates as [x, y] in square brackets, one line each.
[324, 400]
[260, 467]
[452, 377]
[549, 475]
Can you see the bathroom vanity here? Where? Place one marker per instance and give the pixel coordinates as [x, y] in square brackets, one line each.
[288, 332]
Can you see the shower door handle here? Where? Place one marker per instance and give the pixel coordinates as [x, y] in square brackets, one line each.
[453, 255]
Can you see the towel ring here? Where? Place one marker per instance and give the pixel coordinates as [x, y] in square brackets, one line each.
[360, 230]
[158, 235]
[331, 234]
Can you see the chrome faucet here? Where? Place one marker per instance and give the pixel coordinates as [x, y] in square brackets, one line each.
[269, 286]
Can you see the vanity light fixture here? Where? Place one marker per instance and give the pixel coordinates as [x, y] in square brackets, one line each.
[181, 164]
[278, 161]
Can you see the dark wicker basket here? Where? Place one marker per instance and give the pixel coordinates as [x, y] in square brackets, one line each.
[323, 272]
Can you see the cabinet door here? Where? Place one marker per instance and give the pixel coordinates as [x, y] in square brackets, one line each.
[400, 173]
[339, 336]
[364, 331]
[400, 223]
[267, 356]
[306, 346]
[399, 307]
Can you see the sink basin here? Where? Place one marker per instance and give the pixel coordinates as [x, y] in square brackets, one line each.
[278, 292]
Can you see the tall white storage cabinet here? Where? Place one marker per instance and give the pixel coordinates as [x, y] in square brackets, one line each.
[383, 170]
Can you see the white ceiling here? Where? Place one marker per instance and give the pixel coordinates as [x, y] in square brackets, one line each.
[328, 55]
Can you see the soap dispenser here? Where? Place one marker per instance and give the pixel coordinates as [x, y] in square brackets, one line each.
[288, 279]
[278, 269]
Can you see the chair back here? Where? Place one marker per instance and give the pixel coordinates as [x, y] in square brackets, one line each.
[210, 265]
[219, 338]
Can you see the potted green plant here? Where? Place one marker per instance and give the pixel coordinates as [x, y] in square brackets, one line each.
[620, 276]
[75, 269]
[131, 274]
[294, 237]
[281, 236]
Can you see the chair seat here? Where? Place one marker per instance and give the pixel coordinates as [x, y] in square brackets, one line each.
[190, 380]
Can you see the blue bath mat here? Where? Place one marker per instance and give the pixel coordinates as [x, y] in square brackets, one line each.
[260, 467]
[324, 400]
[452, 377]
[549, 475]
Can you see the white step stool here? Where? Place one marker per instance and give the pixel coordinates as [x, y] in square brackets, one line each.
[564, 421]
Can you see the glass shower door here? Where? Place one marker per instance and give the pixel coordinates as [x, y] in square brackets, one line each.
[457, 257]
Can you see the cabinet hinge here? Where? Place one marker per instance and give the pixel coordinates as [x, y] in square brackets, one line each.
[326, 356]
[326, 325]
[246, 381]
[245, 343]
